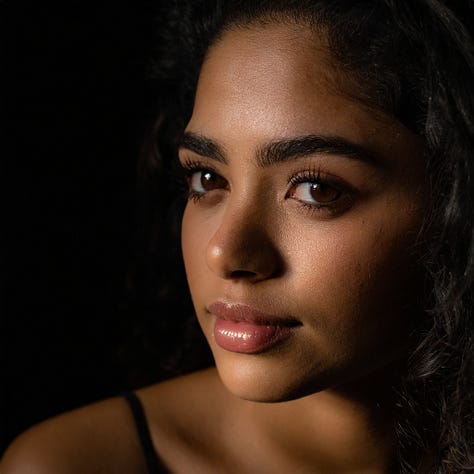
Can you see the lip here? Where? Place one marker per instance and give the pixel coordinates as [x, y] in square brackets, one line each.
[243, 329]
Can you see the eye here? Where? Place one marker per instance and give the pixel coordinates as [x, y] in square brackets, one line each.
[315, 193]
[203, 181]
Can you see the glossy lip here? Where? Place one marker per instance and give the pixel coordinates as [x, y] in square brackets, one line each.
[243, 329]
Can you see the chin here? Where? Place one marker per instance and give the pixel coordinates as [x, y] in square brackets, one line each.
[256, 379]
[272, 378]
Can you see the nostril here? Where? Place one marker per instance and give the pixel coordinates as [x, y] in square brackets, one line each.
[241, 274]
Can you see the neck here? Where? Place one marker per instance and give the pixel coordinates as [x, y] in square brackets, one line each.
[349, 429]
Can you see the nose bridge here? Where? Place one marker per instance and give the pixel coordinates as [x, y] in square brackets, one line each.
[242, 246]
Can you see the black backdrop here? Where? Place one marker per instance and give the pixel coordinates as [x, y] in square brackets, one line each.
[77, 107]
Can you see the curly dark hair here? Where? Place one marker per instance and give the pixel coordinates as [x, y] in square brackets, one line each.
[415, 61]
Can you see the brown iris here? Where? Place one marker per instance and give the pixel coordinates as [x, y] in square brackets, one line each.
[205, 180]
[315, 192]
[323, 193]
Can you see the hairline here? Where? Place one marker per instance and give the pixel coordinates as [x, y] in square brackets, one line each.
[346, 82]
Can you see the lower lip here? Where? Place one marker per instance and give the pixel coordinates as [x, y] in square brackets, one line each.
[248, 338]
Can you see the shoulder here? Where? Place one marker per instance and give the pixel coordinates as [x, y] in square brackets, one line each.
[174, 396]
[180, 404]
[188, 418]
[96, 438]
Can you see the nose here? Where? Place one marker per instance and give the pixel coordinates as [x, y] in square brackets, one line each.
[241, 248]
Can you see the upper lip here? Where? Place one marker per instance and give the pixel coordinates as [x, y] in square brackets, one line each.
[244, 313]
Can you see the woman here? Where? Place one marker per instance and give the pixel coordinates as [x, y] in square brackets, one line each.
[328, 248]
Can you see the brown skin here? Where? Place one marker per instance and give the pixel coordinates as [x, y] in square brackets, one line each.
[343, 269]
[199, 427]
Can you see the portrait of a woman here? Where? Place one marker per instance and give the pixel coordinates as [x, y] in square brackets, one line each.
[323, 153]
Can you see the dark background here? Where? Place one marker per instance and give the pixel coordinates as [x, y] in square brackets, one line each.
[78, 106]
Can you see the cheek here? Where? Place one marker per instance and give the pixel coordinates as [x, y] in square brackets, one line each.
[357, 280]
[196, 231]
[191, 243]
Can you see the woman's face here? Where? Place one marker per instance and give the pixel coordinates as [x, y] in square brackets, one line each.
[304, 208]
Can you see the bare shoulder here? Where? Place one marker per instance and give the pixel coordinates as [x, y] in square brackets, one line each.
[188, 417]
[96, 438]
[180, 404]
[202, 387]
[185, 416]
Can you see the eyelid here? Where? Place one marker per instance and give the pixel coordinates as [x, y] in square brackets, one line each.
[193, 163]
[317, 175]
[190, 166]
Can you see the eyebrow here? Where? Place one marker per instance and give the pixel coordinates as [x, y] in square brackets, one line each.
[202, 146]
[280, 151]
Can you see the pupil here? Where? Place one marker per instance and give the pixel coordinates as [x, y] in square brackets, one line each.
[207, 180]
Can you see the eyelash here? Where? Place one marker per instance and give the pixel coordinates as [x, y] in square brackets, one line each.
[190, 167]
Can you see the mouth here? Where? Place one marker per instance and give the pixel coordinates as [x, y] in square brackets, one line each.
[243, 329]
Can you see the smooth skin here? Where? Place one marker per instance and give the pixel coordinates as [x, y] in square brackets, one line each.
[325, 236]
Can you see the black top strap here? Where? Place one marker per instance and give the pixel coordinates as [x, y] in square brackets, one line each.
[153, 464]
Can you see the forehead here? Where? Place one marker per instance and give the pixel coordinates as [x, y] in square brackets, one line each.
[296, 52]
[264, 83]
[280, 69]
[264, 69]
